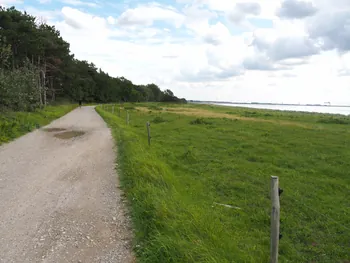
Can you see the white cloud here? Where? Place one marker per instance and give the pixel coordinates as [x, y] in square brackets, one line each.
[197, 19]
[293, 47]
[286, 40]
[296, 9]
[111, 20]
[46, 16]
[7, 3]
[209, 74]
[244, 9]
[267, 8]
[148, 14]
[79, 3]
[86, 22]
[344, 68]
[258, 62]
[217, 34]
[199, 54]
[332, 29]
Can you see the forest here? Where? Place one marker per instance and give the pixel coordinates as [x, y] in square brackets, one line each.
[37, 68]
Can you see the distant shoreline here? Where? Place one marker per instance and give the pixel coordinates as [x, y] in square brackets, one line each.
[265, 103]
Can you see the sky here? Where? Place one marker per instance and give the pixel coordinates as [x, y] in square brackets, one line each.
[282, 51]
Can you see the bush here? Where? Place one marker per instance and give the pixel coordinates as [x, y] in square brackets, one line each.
[250, 114]
[200, 121]
[335, 120]
[18, 90]
[158, 119]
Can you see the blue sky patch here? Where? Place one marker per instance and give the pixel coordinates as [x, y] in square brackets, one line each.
[261, 23]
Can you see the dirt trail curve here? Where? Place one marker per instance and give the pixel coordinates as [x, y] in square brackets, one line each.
[59, 198]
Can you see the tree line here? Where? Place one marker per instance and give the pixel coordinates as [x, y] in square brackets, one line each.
[37, 68]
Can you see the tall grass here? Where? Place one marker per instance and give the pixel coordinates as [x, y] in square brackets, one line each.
[195, 163]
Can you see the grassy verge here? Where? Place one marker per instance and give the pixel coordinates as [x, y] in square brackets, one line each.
[16, 124]
[198, 161]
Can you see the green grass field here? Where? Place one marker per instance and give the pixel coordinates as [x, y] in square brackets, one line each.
[202, 156]
[15, 124]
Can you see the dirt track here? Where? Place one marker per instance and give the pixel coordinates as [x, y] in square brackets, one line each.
[59, 198]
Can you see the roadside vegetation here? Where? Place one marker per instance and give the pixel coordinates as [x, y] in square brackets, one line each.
[15, 124]
[200, 192]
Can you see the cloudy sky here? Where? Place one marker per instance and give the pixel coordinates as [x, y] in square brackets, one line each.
[231, 50]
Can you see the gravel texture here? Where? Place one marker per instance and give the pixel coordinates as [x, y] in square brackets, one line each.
[59, 198]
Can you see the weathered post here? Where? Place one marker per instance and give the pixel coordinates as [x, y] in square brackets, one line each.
[149, 133]
[275, 219]
[113, 109]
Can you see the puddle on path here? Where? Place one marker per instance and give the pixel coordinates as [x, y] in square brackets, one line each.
[54, 129]
[69, 134]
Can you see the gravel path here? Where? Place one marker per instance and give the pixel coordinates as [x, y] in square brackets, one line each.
[59, 198]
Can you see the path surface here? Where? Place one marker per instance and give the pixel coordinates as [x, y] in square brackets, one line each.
[59, 198]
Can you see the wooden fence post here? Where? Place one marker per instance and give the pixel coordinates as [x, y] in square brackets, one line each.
[127, 117]
[275, 219]
[149, 133]
[113, 109]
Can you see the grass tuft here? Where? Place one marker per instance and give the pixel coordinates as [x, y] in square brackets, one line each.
[335, 120]
[158, 119]
[199, 121]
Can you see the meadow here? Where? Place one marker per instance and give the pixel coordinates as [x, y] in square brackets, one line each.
[15, 124]
[201, 191]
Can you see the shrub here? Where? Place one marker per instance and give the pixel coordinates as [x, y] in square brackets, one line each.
[200, 121]
[18, 89]
[158, 119]
[250, 114]
[335, 120]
